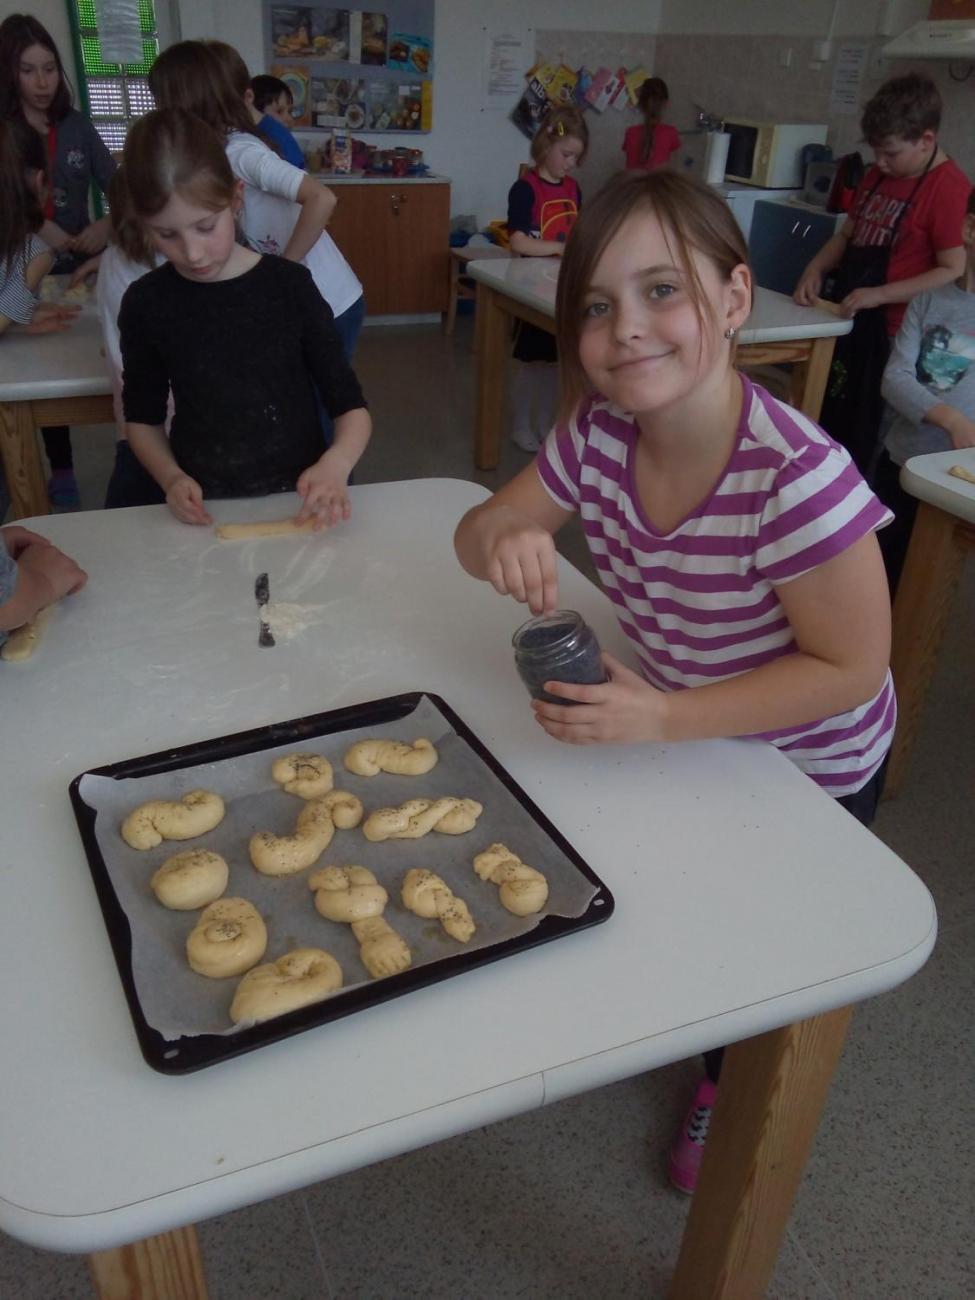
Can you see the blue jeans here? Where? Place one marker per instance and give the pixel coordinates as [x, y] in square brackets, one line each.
[348, 325]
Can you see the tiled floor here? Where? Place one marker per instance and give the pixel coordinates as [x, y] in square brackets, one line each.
[571, 1201]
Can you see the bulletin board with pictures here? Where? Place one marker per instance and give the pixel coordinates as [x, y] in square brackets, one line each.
[354, 70]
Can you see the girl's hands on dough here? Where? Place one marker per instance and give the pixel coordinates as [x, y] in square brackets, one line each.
[521, 559]
[324, 487]
[184, 496]
[623, 711]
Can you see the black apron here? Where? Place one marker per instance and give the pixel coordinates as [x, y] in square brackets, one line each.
[852, 405]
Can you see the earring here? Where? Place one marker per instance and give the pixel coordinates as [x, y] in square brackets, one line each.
[730, 332]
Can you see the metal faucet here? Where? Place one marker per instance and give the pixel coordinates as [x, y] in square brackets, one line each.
[708, 121]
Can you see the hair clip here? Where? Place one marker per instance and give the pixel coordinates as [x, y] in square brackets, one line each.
[559, 128]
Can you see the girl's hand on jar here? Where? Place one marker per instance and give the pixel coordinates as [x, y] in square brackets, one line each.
[626, 710]
[522, 560]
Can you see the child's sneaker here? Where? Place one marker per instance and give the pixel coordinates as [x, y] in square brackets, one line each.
[526, 439]
[688, 1148]
[62, 488]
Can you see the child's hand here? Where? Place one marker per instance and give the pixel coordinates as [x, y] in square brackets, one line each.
[962, 432]
[521, 560]
[49, 318]
[862, 300]
[184, 496]
[808, 289]
[86, 269]
[325, 489]
[17, 540]
[55, 573]
[623, 711]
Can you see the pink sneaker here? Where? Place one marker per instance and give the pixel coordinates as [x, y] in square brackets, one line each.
[687, 1151]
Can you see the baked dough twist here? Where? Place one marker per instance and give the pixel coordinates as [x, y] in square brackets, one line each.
[307, 775]
[416, 817]
[381, 950]
[428, 896]
[283, 855]
[347, 893]
[229, 938]
[297, 979]
[194, 814]
[369, 757]
[523, 889]
[190, 879]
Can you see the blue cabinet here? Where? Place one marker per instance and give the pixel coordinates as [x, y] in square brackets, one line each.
[784, 239]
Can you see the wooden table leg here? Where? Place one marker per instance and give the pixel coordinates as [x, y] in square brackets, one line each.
[492, 341]
[450, 319]
[22, 461]
[167, 1267]
[817, 373]
[772, 1092]
[924, 598]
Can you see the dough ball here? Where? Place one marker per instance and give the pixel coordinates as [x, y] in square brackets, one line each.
[369, 757]
[229, 938]
[307, 775]
[190, 879]
[297, 979]
[151, 823]
[523, 890]
[347, 893]
[346, 809]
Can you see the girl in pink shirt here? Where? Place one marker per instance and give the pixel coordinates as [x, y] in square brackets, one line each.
[651, 144]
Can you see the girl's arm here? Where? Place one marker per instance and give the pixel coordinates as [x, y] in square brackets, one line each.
[325, 485]
[54, 236]
[840, 618]
[508, 540]
[93, 238]
[525, 246]
[184, 496]
[317, 204]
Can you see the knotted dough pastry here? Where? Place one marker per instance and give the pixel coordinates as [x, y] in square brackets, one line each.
[194, 814]
[283, 855]
[297, 979]
[428, 896]
[190, 879]
[523, 889]
[381, 950]
[347, 893]
[229, 938]
[415, 817]
[369, 757]
[307, 775]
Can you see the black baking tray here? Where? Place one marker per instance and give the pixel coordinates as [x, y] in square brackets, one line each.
[195, 1052]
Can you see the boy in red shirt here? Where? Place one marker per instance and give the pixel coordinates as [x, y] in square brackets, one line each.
[903, 237]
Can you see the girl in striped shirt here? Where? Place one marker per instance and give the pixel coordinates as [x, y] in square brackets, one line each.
[734, 537]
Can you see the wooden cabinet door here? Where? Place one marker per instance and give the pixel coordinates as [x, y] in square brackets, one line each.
[396, 239]
[417, 247]
[359, 228]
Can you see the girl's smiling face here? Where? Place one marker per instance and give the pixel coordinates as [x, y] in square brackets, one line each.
[198, 241]
[643, 343]
[38, 77]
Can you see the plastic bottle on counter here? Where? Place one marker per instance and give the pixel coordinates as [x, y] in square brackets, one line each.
[559, 647]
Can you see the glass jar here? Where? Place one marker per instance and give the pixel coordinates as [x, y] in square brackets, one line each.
[559, 647]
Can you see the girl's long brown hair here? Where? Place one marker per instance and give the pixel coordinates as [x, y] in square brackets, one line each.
[235, 70]
[651, 99]
[171, 150]
[190, 75]
[21, 150]
[695, 219]
[18, 32]
[128, 232]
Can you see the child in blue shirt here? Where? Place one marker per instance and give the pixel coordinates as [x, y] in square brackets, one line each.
[271, 110]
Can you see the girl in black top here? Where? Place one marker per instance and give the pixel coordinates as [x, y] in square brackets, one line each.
[242, 340]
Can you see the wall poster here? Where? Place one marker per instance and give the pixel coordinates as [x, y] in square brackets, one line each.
[354, 69]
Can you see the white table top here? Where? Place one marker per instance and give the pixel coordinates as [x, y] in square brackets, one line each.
[774, 318]
[69, 364]
[745, 898]
[927, 478]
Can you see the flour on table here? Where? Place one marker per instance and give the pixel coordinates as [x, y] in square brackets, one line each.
[286, 621]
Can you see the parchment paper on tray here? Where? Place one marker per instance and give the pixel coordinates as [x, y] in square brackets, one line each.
[179, 1003]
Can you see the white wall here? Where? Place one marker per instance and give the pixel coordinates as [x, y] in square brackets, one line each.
[788, 17]
[479, 149]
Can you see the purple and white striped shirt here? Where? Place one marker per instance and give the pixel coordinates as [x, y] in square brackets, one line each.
[699, 603]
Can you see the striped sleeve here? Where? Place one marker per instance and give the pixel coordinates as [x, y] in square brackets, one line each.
[819, 508]
[559, 461]
[17, 302]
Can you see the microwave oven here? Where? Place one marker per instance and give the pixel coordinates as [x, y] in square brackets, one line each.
[768, 154]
